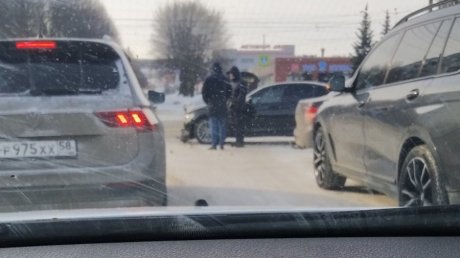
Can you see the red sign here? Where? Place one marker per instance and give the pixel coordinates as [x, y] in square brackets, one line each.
[295, 68]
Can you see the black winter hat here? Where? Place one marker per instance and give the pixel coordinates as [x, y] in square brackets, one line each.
[217, 68]
[236, 73]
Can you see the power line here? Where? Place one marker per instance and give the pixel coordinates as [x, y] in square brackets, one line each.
[354, 15]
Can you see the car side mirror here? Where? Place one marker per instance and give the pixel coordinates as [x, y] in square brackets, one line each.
[156, 97]
[337, 83]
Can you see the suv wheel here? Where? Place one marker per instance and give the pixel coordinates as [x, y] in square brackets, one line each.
[419, 181]
[325, 177]
[202, 131]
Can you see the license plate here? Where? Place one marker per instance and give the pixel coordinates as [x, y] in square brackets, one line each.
[38, 149]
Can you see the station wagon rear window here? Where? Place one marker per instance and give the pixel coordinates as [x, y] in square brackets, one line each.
[451, 59]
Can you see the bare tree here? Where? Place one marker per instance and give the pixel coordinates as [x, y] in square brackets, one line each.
[186, 34]
[21, 18]
[81, 18]
[55, 18]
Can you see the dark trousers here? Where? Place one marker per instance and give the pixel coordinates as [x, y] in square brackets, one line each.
[238, 127]
[218, 130]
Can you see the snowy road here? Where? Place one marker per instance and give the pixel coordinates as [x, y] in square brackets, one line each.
[267, 172]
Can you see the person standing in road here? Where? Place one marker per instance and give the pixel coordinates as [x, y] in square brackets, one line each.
[237, 104]
[216, 92]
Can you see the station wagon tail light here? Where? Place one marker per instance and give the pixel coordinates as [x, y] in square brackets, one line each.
[141, 119]
[310, 112]
[36, 45]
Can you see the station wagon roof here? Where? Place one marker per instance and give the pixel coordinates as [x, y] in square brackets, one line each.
[433, 15]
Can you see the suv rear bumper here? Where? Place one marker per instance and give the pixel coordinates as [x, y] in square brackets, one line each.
[76, 177]
[304, 136]
[144, 176]
[85, 196]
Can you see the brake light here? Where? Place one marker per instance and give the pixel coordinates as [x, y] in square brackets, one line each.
[36, 45]
[310, 112]
[142, 119]
[139, 119]
[122, 119]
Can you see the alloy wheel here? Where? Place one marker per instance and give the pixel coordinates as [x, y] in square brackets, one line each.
[203, 133]
[319, 157]
[416, 189]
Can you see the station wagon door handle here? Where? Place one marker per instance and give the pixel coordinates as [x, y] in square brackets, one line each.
[413, 94]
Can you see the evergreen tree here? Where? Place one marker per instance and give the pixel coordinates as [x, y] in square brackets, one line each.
[364, 42]
[386, 24]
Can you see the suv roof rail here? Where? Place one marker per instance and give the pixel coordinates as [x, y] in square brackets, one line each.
[428, 8]
[108, 38]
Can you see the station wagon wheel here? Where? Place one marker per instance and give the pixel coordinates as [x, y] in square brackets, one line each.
[419, 182]
[325, 177]
[319, 154]
[202, 131]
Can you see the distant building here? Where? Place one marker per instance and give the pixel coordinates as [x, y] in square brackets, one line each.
[311, 68]
[257, 59]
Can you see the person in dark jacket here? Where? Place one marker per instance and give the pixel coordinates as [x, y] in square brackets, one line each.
[237, 104]
[216, 92]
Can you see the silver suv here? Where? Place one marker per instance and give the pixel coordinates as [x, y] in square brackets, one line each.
[75, 120]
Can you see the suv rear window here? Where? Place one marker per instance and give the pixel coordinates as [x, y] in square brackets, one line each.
[67, 68]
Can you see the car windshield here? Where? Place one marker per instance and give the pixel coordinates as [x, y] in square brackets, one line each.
[209, 106]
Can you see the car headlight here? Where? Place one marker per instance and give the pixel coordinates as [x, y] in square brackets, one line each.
[189, 117]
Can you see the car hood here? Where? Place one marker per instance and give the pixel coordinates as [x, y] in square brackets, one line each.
[192, 107]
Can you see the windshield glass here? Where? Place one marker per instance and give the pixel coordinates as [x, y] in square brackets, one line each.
[243, 105]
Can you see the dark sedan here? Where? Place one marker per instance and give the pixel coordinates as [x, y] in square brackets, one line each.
[270, 111]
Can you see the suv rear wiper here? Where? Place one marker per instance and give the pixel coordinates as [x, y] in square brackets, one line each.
[63, 91]
[90, 91]
[52, 92]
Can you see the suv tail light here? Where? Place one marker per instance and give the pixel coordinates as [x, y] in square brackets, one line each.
[141, 119]
[310, 112]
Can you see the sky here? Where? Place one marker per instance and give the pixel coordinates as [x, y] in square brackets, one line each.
[308, 24]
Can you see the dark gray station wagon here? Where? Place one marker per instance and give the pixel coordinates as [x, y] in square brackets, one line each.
[396, 125]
